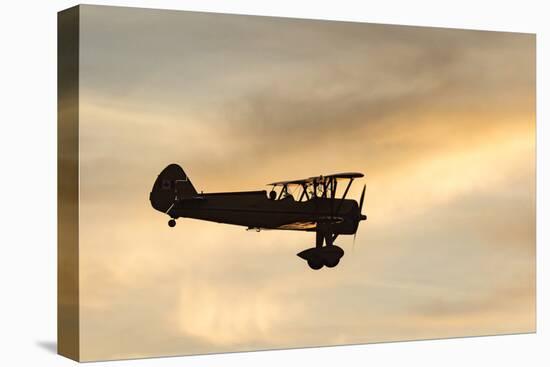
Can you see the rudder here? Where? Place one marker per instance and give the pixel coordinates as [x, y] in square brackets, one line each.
[171, 184]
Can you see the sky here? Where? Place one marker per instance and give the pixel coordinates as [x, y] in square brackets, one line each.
[441, 121]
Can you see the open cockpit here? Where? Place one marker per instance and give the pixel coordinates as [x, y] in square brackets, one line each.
[313, 187]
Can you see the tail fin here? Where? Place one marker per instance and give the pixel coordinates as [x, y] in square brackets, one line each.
[171, 184]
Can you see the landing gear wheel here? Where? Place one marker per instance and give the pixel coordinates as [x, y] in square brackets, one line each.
[331, 255]
[315, 263]
[172, 223]
[331, 263]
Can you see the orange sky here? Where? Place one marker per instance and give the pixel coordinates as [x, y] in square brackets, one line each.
[442, 122]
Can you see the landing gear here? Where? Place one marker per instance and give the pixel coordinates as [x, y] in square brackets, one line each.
[328, 255]
[317, 257]
[172, 223]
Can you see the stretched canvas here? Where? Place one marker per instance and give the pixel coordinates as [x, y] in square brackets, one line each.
[199, 153]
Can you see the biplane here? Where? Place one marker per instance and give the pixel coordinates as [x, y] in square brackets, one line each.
[309, 204]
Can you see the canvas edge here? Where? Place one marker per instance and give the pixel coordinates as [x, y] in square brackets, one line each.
[68, 323]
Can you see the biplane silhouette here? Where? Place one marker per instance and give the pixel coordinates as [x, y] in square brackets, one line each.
[314, 207]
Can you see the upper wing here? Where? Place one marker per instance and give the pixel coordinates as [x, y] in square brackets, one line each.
[346, 175]
[318, 179]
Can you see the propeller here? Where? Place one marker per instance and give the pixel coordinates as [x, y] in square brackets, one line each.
[361, 202]
[361, 215]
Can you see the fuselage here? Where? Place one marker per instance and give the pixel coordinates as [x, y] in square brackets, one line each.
[253, 209]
